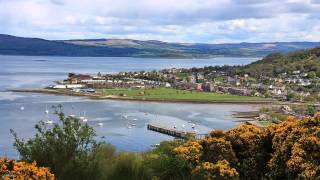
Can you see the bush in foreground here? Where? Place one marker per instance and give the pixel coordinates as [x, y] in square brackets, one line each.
[289, 150]
[11, 169]
[65, 148]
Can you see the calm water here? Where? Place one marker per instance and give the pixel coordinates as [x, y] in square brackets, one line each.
[22, 71]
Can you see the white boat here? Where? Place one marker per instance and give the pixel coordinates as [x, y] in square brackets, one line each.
[49, 122]
[83, 118]
[134, 119]
[129, 127]
[21, 108]
[46, 111]
[100, 124]
[133, 124]
[72, 115]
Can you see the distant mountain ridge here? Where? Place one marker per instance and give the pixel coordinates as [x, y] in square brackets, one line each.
[12, 45]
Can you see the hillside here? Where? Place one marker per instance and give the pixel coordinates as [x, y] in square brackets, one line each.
[12, 45]
[275, 64]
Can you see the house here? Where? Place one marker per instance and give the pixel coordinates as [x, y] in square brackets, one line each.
[77, 78]
[192, 79]
[239, 91]
[200, 76]
[277, 92]
[296, 72]
[271, 86]
[305, 82]
[93, 81]
[59, 86]
[238, 83]
[199, 87]
[208, 87]
[231, 80]
[68, 86]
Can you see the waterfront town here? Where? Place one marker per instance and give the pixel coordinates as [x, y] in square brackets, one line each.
[295, 86]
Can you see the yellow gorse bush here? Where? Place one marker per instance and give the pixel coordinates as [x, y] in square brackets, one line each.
[11, 169]
[290, 149]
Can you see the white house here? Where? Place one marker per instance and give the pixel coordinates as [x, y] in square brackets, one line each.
[167, 84]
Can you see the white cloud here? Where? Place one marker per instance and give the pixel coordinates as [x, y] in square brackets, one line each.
[167, 20]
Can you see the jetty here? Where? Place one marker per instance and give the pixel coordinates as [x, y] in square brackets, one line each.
[174, 132]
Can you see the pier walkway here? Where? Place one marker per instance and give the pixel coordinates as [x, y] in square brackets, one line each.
[174, 132]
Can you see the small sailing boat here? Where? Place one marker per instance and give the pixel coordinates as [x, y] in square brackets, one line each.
[125, 116]
[47, 116]
[83, 118]
[49, 121]
[46, 111]
[100, 124]
[72, 115]
[22, 108]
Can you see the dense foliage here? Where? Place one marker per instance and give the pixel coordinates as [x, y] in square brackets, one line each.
[65, 148]
[289, 150]
[275, 64]
[11, 169]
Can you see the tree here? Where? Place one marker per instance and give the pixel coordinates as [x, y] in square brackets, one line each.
[312, 75]
[119, 165]
[65, 147]
[164, 163]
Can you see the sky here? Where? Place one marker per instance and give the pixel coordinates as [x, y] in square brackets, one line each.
[189, 21]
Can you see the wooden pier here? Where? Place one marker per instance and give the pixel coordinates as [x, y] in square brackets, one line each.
[174, 132]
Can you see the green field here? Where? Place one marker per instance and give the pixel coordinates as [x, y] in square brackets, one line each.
[265, 123]
[173, 94]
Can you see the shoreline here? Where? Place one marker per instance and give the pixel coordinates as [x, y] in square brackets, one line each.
[113, 97]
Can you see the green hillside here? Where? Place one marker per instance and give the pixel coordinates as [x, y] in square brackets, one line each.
[275, 64]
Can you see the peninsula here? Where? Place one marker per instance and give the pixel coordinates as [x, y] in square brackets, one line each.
[293, 78]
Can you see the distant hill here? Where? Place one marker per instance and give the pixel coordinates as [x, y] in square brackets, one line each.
[12, 45]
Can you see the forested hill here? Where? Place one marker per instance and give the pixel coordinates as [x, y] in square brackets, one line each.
[12, 45]
[273, 65]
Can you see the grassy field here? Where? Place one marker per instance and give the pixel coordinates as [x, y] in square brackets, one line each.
[265, 123]
[173, 94]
